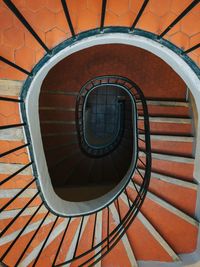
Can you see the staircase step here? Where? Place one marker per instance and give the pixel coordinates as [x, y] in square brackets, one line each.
[172, 180]
[9, 113]
[57, 127]
[166, 103]
[57, 114]
[175, 166]
[167, 109]
[114, 258]
[168, 120]
[173, 191]
[67, 246]
[32, 250]
[173, 145]
[9, 88]
[8, 168]
[52, 244]
[19, 156]
[169, 126]
[169, 207]
[80, 230]
[20, 223]
[68, 101]
[56, 140]
[16, 182]
[125, 239]
[85, 241]
[171, 220]
[12, 134]
[156, 248]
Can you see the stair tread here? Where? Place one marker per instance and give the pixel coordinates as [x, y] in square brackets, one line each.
[161, 252]
[170, 207]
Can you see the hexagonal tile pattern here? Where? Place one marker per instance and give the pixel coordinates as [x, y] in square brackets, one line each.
[178, 6]
[35, 5]
[191, 24]
[49, 22]
[94, 6]
[45, 19]
[162, 9]
[61, 22]
[124, 20]
[86, 20]
[9, 113]
[55, 36]
[118, 7]
[165, 21]
[25, 57]
[180, 39]
[13, 37]
[5, 19]
[54, 6]
[149, 22]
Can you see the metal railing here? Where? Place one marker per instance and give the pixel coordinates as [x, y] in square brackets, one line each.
[115, 235]
[98, 250]
[131, 29]
[134, 204]
[82, 98]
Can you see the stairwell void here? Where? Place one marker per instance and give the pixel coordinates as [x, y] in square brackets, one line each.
[94, 139]
[87, 124]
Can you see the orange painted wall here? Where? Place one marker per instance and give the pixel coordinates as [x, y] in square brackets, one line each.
[154, 76]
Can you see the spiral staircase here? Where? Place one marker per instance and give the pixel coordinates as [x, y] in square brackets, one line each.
[132, 201]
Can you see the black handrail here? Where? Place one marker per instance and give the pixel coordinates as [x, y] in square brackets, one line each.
[111, 240]
[103, 13]
[8, 62]
[180, 17]
[86, 147]
[141, 11]
[113, 237]
[192, 48]
[68, 18]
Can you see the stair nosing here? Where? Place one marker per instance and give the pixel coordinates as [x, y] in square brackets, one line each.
[172, 180]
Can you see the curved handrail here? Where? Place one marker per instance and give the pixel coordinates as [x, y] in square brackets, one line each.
[134, 205]
[81, 101]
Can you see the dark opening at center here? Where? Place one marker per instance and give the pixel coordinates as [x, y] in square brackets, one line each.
[103, 118]
[89, 134]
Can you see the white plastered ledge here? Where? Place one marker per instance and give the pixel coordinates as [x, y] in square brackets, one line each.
[171, 58]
